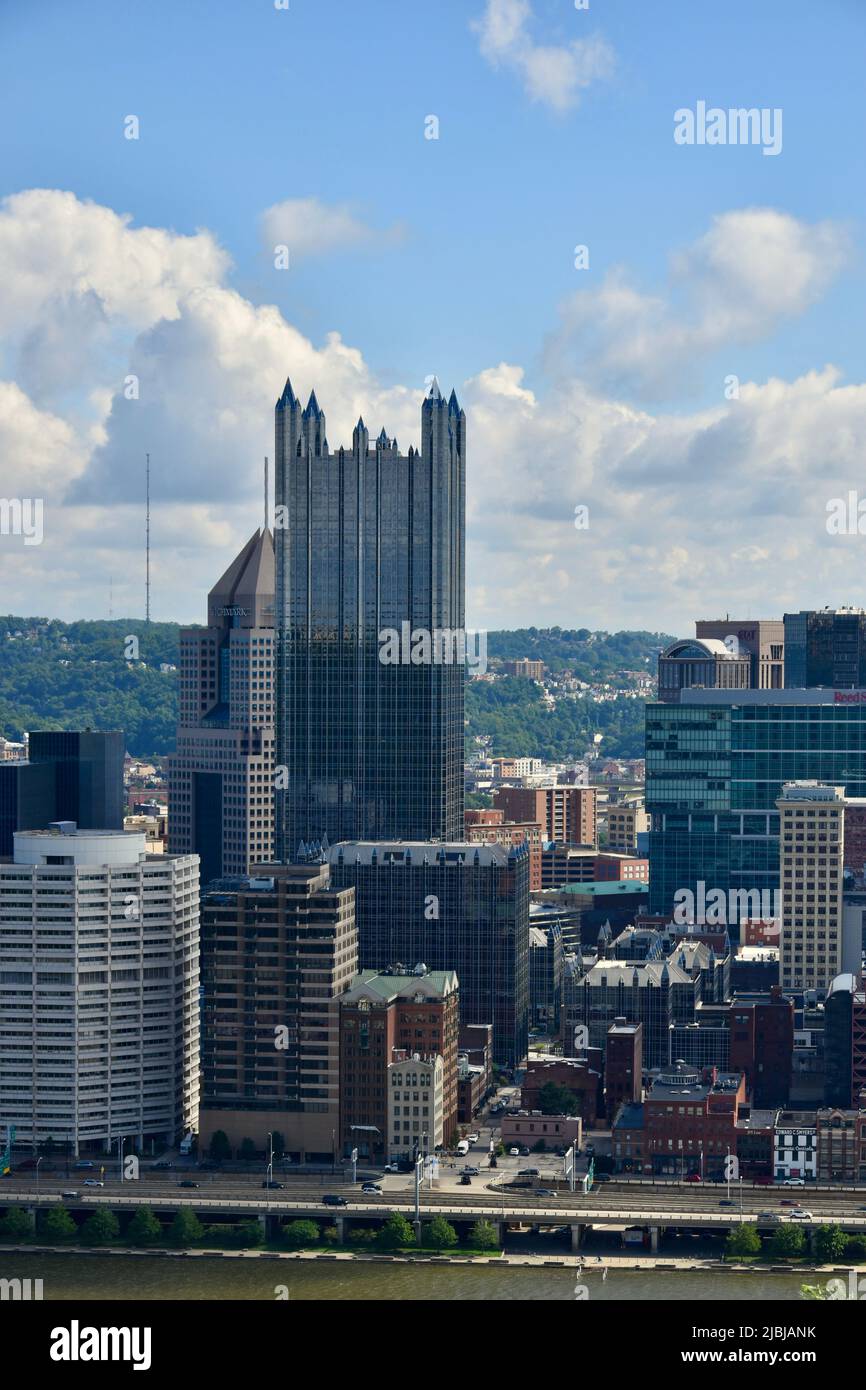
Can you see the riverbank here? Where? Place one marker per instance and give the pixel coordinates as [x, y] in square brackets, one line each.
[595, 1265]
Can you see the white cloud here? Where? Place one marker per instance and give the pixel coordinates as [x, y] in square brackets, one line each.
[553, 74]
[753, 269]
[689, 511]
[309, 227]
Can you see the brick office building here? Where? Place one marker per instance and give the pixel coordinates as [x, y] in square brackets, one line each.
[380, 1012]
[690, 1121]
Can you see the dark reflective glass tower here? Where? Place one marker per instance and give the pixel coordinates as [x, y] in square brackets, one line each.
[368, 540]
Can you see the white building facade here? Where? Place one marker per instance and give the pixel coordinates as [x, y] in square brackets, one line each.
[99, 990]
[416, 1105]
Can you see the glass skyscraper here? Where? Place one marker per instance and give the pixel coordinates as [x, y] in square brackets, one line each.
[455, 907]
[715, 767]
[369, 546]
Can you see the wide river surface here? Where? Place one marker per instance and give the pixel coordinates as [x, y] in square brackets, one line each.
[195, 1278]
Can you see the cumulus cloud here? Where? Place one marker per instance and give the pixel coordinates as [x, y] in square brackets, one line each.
[688, 510]
[752, 270]
[555, 75]
[309, 227]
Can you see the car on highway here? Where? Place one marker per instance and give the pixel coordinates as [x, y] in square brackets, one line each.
[465, 1180]
[798, 1214]
[187, 1182]
[208, 1166]
[786, 1202]
[72, 1195]
[692, 1177]
[529, 1172]
[330, 1199]
[93, 1182]
[794, 1182]
[372, 1189]
[163, 1166]
[544, 1192]
[725, 1203]
[768, 1216]
[470, 1170]
[601, 1177]
[83, 1163]
[278, 1185]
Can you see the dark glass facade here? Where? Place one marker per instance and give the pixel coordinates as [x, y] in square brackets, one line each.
[27, 800]
[826, 648]
[714, 772]
[453, 907]
[88, 772]
[367, 539]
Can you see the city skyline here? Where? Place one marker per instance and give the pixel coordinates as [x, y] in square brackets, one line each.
[152, 312]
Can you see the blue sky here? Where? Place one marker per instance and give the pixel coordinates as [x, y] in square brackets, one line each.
[459, 257]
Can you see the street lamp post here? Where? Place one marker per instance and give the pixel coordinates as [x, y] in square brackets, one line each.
[121, 1140]
[38, 1161]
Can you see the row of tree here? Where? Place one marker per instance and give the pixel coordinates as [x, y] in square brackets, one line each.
[144, 1229]
[829, 1243]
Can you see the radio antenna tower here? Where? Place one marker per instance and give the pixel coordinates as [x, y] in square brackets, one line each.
[147, 543]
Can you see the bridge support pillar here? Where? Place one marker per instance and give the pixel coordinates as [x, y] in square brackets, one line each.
[577, 1231]
[340, 1223]
[654, 1239]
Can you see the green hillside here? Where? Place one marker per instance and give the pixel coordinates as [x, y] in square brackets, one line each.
[57, 675]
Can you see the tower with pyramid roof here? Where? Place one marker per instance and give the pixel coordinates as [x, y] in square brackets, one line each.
[221, 775]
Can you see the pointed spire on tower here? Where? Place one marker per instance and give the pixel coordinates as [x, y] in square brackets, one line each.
[312, 405]
[453, 404]
[434, 394]
[288, 397]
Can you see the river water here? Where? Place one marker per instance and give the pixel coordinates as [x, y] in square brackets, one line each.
[196, 1278]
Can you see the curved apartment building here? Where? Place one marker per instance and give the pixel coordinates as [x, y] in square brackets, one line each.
[99, 990]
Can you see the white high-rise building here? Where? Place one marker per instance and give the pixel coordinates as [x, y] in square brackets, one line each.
[99, 989]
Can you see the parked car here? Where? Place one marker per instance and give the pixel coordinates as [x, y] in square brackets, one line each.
[93, 1182]
[330, 1199]
[372, 1189]
[601, 1177]
[271, 1183]
[515, 1153]
[693, 1177]
[165, 1164]
[529, 1173]
[187, 1182]
[208, 1165]
[83, 1163]
[473, 1138]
